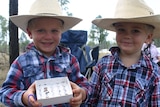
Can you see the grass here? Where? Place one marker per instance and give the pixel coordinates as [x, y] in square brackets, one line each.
[1, 105]
[4, 67]
[3, 73]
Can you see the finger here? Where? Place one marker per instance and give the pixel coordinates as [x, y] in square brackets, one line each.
[73, 85]
[77, 98]
[75, 104]
[76, 91]
[32, 88]
[32, 101]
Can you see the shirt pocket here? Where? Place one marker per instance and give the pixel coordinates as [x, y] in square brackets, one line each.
[140, 92]
[106, 87]
[62, 67]
[32, 73]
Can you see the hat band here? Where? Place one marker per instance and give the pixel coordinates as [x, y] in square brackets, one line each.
[46, 14]
[50, 14]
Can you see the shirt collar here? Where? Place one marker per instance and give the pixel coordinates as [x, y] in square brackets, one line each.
[144, 61]
[57, 53]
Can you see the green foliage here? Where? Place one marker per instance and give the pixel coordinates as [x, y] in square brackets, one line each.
[157, 42]
[23, 41]
[3, 26]
[63, 4]
[4, 46]
[98, 35]
[3, 34]
[91, 43]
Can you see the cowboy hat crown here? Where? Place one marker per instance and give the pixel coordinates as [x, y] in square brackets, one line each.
[132, 8]
[44, 8]
[131, 11]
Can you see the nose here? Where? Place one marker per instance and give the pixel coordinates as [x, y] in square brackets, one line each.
[48, 34]
[127, 34]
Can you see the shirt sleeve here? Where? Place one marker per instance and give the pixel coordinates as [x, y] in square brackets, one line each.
[155, 97]
[11, 93]
[76, 76]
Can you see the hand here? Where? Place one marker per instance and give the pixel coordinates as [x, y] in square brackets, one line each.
[79, 94]
[158, 57]
[28, 97]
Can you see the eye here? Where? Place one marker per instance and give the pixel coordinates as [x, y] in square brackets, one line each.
[54, 31]
[120, 29]
[40, 30]
[136, 31]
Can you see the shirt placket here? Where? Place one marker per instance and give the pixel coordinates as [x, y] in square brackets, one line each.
[48, 67]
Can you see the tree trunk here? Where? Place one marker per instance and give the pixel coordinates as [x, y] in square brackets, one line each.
[13, 32]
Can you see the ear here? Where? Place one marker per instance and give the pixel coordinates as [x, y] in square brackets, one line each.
[149, 38]
[29, 33]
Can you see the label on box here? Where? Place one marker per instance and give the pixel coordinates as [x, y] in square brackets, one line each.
[53, 91]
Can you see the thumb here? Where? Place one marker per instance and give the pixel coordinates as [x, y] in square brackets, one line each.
[73, 85]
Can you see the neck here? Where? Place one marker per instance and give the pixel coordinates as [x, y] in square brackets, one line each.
[129, 60]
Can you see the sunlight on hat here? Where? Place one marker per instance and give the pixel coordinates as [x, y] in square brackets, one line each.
[131, 11]
[44, 8]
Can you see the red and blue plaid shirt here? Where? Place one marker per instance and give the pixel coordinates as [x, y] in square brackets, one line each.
[33, 65]
[114, 85]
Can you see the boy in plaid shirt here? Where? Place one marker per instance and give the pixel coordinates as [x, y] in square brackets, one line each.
[127, 77]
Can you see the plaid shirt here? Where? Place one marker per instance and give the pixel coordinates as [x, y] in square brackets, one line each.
[114, 85]
[32, 66]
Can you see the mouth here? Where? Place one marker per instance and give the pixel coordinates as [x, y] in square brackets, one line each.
[47, 43]
[126, 43]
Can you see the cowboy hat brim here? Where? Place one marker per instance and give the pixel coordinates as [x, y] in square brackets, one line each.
[107, 23]
[21, 21]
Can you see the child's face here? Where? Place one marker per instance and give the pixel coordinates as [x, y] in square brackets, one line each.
[131, 36]
[46, 34]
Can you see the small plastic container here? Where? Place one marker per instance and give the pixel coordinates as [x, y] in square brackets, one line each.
[53, 91]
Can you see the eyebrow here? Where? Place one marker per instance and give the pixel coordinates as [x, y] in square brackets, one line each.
[134, 26]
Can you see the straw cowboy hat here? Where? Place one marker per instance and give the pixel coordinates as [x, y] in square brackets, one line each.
[131, 11]
[44, 8]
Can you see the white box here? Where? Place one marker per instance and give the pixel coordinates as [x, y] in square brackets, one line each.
[53, 91]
